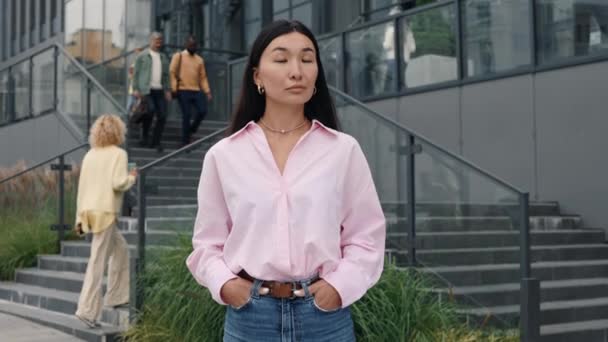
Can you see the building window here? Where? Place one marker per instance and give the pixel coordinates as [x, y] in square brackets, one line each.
[22, 21]
[496, 36]
[33, 22]
[300, 10]
[427, 47]
[370, 69]
[43, 22]
[253, 21]
[569, 28]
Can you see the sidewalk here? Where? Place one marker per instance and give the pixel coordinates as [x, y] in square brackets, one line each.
[15, 329]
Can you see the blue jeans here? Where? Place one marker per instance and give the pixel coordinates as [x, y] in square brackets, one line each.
[188, 99]
[269, 319]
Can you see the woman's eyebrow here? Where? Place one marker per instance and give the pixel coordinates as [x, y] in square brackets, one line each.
[283, 49]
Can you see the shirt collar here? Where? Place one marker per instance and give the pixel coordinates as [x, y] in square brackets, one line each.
[315, 124]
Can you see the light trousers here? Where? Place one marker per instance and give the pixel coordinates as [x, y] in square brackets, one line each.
[107, 246]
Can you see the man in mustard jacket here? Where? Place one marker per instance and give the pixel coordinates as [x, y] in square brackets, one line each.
[151, 82]
[189, 82]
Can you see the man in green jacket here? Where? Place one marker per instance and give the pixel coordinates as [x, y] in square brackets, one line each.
[151, 83]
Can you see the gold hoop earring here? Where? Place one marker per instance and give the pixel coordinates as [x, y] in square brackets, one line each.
[261, 90]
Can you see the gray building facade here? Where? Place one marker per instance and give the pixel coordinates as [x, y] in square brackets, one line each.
[516, 86]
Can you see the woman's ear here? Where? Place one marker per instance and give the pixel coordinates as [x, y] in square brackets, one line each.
[256, 76]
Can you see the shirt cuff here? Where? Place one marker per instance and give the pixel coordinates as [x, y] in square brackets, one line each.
[220, 275]
[348, 280]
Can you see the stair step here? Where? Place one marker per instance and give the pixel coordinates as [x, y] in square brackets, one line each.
[59, 280]
[472, 275]
[449, 223]
[501, 255]
[82, 249]
[587, 331]
[177, 224]
[167, 199]
[62, 322]
[174, 210]
[57, 301]
[551, 312]
[508, 293]
[471, 209]
[15, 329]
[477, 239]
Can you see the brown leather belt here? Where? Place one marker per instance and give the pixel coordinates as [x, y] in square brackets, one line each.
[277, 289]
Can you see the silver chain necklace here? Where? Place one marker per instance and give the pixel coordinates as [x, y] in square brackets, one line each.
[282, 131]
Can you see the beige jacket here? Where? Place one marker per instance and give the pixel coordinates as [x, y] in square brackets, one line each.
[103, 180]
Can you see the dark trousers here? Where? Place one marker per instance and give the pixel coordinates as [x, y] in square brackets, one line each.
[157, 106]
[188, 100]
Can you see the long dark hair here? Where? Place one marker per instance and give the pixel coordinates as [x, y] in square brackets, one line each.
[251, 105]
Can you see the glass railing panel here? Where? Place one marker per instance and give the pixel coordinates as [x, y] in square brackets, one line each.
[428, 47]
[467, 223]
[371, 54]
[171, 195]
[467, 232]
[72, 92]
[5, 115]
[43, 81]
[380, 143]
[331, 57]
[237, 69]
[20, 73]
[217, 73]
[100, 104]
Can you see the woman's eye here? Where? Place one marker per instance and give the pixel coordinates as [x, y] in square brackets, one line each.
[307, 61]
[281, 61]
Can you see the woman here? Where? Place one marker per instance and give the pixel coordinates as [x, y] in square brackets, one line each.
[103, 180]
[289, 231]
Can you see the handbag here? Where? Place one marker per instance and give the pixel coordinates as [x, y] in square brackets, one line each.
[139, 111]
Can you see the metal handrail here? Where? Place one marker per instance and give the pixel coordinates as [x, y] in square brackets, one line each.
[43, 163]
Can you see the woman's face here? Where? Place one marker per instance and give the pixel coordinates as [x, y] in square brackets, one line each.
[288, 69]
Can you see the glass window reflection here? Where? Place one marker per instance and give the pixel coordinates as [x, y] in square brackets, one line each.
[4, 97]
[568, 28]
[496, 35]
[371, 64]
[330, 50]
[20, 74]
[43, 82]
[428, 47]
[74, 28]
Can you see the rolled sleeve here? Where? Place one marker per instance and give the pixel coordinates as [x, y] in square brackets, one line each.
[363, 233]
[211, 229]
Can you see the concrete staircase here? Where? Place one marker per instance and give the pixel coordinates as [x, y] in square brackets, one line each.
[476, 261]
[471, 249]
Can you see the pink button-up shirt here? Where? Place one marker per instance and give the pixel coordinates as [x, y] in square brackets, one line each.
[321, 216]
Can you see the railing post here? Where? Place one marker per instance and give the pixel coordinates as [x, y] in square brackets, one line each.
[61, 226]
[411, 203]
[141, 241]
[55, 81]
[88, 105]
[530, 287]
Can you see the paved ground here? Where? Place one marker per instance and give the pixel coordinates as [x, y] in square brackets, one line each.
[15, 329]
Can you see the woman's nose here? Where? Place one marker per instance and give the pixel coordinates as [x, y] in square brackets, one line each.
[295, 71]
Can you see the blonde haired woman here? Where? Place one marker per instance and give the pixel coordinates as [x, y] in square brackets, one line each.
[103, 180]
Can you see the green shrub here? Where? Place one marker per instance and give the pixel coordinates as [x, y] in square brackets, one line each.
[398, 308]
[28, 208]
